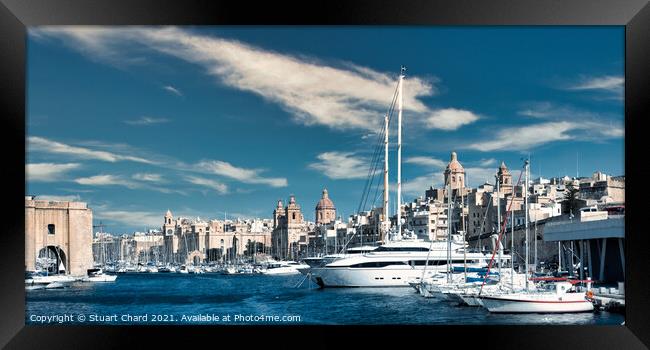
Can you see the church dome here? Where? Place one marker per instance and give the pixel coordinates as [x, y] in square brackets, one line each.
[325, 202]
[454, 164]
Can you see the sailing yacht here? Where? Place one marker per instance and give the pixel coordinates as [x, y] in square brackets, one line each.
[556, 297]
[560, 297]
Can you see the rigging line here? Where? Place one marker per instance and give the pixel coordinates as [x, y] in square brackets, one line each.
[370, 169]
[375, 157]
[512, 200]
[426, 263]
[449, 234]
[370, 178]
[378, 158]
[390, 117]
[390, 111]
[478, 242]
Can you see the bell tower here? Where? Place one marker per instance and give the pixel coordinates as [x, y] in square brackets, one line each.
[455, 173]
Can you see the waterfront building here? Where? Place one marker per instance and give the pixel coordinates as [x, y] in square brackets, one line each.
[147, 247]
[58, 236]
[327, 238]
[603, 188]
[196, 241]
[290, 230]
[427, 218]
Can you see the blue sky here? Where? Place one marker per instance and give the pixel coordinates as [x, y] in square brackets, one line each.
[207, 120]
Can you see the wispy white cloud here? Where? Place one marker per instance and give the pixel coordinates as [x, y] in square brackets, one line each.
[426, 161]
[525, 137]
[609, 87]
[450, 119]
[487, 162]
[173, 90]
[48, 172]
[209, 183]
[530, 136]
[552, 111]
[119, 180]
[417, 185]
[315, 93]
[475, 176]
[148, 177]
[41, 144]
[106, 180]
[144, 120]
[607, 82]
[340, 165]
[559, 123]
[250, 176]
[133, 218]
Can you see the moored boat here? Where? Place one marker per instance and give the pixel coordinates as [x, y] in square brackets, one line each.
[564, 298]
[98, 275]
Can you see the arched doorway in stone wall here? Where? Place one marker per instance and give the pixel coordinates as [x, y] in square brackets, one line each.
[195, 258]
[52, 259]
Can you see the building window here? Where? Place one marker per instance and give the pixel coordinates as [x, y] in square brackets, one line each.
[293, 216]
[50, 229]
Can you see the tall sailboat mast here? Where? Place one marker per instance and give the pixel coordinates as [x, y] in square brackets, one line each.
[525, 190]
[449, 220]
[399, 152]
[499, 218]
[386, 222]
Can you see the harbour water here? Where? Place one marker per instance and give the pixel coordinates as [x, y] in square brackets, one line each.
[169, 298]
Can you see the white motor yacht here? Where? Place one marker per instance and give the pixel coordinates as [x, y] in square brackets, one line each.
[396, 263]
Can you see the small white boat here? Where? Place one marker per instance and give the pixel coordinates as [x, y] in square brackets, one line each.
[183, 269]
[284, 268]
[97, 275]
[563, 299]
[55, 285]
[34, 286]
[52, 279]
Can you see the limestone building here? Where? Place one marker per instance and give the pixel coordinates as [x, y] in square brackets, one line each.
[197, 241]
[325, 210]
[290, 230]
[58, 236]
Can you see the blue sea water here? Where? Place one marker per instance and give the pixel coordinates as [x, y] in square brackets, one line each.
[168, 298]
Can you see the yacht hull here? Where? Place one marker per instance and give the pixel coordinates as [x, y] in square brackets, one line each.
[367, 277]
[514, 304]
[103, 278]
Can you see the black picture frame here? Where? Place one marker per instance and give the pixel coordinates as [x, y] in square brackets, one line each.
[17, 15]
